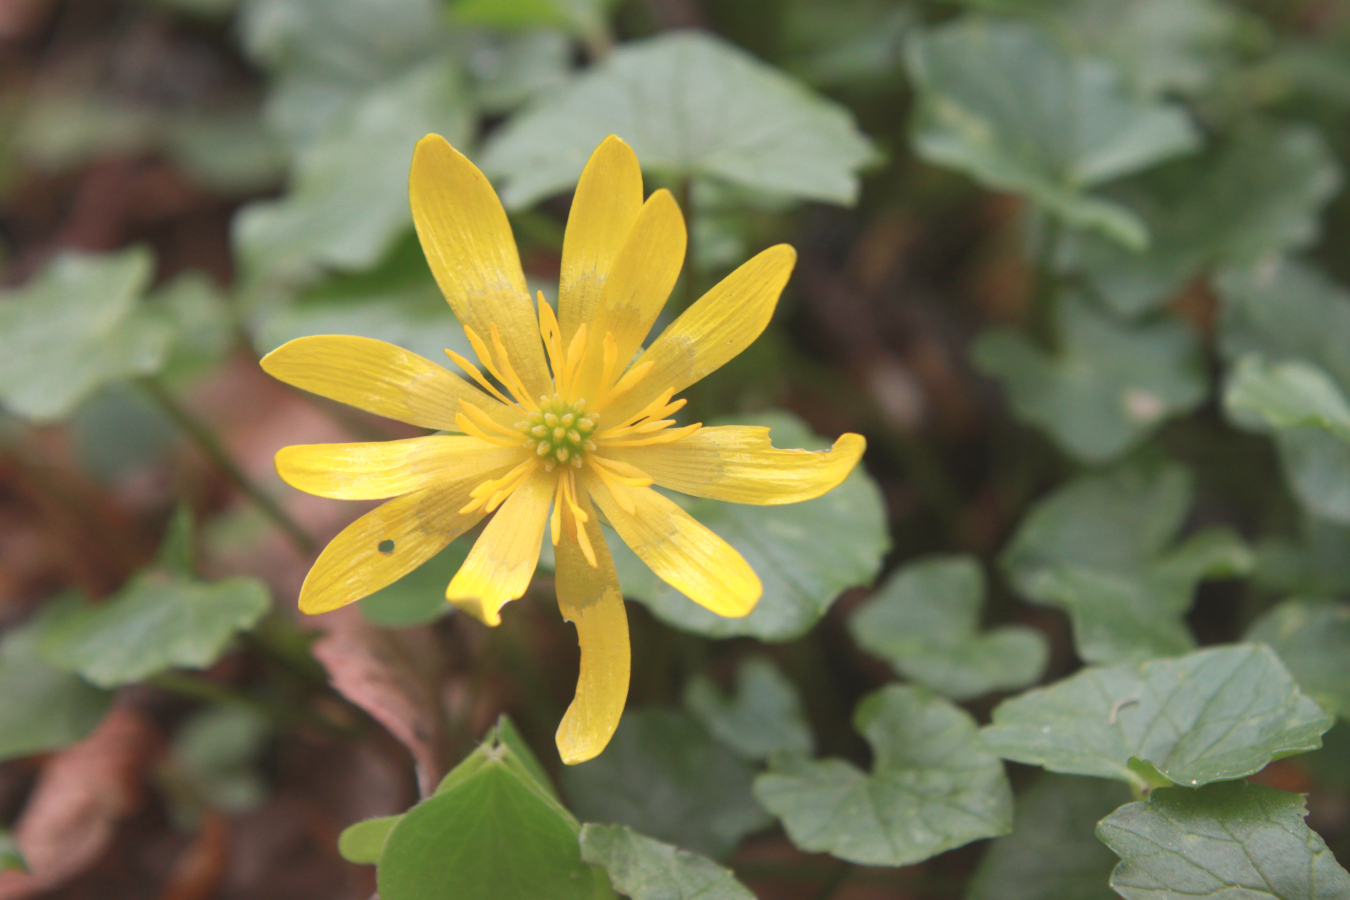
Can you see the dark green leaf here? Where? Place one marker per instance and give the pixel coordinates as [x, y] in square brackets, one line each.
[1108, 387]
[1312, 639]
[763, 717]
[691, 106]
[1224, 840]
[215, 759]
[925, 621]
[663, 775]
[645, 869]
[1004, 104]
[154, 624]
[1209, 716]
[1052, 851]
[930, 788]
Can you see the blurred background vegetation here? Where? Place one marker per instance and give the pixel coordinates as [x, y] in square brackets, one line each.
[1074, 267]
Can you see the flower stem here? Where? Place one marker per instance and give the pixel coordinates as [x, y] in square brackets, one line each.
[212, 446]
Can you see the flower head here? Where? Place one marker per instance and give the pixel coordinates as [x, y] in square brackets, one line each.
[563, 419]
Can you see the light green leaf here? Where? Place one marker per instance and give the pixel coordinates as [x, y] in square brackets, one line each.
[691, 106]
[508, 69]
[1287, 395]
[1102, 549]
[11, 857]
[1052, 851]
[41, 708]
[203, 320]
[764, 717]
[925, 621]
[805, 554]
[1312, 639]
[1224, 840]
[852, 43]
[363, 843]
[154, 624]
[1212, 715]
[931, 788]
[586, 18]
[490, 831]
[1001, 102]
[76, 327]
[644, 869]
[1259, 194]
[1108, 388]
[663, 775]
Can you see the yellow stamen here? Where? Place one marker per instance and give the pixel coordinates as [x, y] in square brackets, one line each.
[478, 377]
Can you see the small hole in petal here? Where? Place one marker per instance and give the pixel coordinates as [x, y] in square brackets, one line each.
[386, 547]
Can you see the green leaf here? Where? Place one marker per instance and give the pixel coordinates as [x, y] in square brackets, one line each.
[490, 831]
[925, 621]
[805, 554]
[154, 624]
[931, 788]
[1102, 549]
[42, 708]
[215, 759]
[849, 43]
[691, 106]
[1312, 639]
[76, 327]
[1212, 715]
[204, 322]
[1259, 194]
[582, 17]
[1287, 395]
[644, 869]
[1001, 102]
[1109, 386]
[1052, 851]
[363, 843]
[419, 596]
[765, 715]
[1224, 840]
[11, 857]
[177, 552]
[663, 775]
[1315, 562]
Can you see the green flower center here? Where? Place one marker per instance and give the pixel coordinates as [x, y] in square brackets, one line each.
[560, 432]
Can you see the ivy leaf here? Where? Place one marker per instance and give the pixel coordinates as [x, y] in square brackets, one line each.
[1109, 386]
[931, 788]
[764, 717]
[1312, 639]
[76, 327]
[925, 621]
[644, 869]
[664, 775]
[1258, 195]
[1101, 548]
[1211, 715]
[1001, 102]
[1234, 839]
[490, 830]
[42, 708]
[1052, 851]
[692, 106]
[154, 624]
[805, 554]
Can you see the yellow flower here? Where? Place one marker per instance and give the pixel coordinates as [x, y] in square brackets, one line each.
[562, 428]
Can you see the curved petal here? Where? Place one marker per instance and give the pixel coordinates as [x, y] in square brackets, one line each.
[385, 544]
[721, 324]
[604, 208]
[739, 464]
[389, 468]
[641, 280]
[680, 550]
[381, 378]
[590, 598]
[468, 244]
[503, 559]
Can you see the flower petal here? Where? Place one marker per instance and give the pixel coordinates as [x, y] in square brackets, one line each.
[604, 208]
[502, 561]
[590, 598]
[468, 244]
[680, 550]
[639, 283]
[739, 464]
[389, 468]
[419, 525]
[721, 324]
[381, 378]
